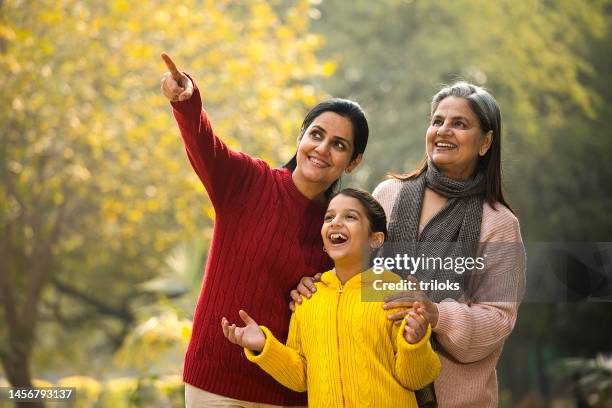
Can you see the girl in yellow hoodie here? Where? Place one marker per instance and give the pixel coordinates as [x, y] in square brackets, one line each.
[341, 346]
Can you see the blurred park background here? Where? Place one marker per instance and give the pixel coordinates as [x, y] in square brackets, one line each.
[104, 227]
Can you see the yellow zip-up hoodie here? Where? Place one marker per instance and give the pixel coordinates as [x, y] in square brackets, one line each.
[344, 350]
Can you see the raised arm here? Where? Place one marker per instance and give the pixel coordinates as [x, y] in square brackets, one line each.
[222, 170]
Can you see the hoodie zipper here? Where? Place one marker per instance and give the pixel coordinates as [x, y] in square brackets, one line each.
[340, 290]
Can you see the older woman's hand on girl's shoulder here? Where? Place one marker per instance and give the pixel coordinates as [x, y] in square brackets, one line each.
[175, 85]
[416, 324]
[250, 336]
[306, 288]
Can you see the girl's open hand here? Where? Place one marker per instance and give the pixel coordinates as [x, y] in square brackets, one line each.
[249, 336]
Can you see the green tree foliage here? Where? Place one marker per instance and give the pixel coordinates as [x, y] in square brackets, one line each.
[548, 64]
[96, 188]
[530, 54]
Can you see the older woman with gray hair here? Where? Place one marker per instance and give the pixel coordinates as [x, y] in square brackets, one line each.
[455, 195]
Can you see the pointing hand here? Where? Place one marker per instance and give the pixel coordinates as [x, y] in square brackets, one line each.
[175, 85]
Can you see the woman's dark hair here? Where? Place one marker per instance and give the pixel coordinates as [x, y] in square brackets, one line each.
[373, 209]
[486, 109]
[348, 109]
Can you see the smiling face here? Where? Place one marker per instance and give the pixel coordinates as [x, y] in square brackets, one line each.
[325, 150]
[454, 138]
[346, 232]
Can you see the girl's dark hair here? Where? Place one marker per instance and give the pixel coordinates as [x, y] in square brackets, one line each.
[348, 109]
[486, 109]
[373, 209]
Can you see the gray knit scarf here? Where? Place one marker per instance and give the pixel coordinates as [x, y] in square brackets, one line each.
[453, 232]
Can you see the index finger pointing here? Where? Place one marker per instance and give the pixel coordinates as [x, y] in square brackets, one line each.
[171, 66]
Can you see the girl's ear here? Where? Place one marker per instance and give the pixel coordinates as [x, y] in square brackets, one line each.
[377, 239]
[354, 163]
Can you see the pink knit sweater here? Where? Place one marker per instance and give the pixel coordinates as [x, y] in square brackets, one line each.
[472, 335]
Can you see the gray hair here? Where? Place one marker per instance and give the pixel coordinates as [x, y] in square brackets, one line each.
[480, 100]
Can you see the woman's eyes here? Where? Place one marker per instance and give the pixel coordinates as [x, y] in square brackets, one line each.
[318, 136]
[340, 145]
[458, 124]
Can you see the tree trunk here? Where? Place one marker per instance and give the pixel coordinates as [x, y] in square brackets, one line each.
[17, 368]
[16, 364]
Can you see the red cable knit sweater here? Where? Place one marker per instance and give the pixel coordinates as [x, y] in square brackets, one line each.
[266, 237]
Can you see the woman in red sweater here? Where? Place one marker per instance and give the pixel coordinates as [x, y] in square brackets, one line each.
[266, 237]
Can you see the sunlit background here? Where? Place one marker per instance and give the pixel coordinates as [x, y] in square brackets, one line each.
[105, 228]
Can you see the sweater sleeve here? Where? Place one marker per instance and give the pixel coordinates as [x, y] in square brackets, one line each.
[416, 365]
[285, 363]
[472, 330]
[222, 170]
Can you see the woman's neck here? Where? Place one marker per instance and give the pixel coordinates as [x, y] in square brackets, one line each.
[310, 190]
[455, 173]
